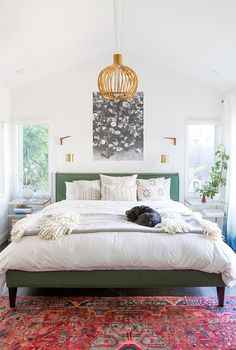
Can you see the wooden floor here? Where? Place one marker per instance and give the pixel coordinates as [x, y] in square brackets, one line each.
[207, 291]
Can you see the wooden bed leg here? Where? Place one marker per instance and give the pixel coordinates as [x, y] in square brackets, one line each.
[12, 296]
[221, 295]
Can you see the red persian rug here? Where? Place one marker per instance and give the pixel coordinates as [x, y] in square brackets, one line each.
[123, 323]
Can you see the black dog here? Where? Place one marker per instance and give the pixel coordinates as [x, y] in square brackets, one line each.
[144, 216]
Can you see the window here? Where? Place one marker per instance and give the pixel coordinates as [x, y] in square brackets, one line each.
[202, 139]
[2, 159]
[33, 156]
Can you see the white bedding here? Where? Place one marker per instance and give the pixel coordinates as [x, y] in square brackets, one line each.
[120, 250]
[68, 217]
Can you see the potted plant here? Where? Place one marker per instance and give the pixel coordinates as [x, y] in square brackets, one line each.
[27, 191]
[217, 176]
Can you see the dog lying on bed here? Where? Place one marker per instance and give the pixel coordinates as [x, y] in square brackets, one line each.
[143, 215]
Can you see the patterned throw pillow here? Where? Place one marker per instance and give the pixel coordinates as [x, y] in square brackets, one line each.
[87, 190]
[152, 189]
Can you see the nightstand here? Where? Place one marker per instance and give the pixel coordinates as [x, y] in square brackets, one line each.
[31, 205]
[211, 210]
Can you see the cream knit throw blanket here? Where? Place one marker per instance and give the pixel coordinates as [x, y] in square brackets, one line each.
[53, 226]
[174, 223]
[56, 226]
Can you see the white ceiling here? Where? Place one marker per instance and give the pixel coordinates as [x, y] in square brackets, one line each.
[193, 37]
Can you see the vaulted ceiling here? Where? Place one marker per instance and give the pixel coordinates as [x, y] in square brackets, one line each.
[193, 37]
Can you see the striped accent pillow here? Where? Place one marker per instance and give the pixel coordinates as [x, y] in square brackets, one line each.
[87, 190]
[119, 193]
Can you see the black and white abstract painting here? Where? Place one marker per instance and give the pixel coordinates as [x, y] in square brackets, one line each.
[117, 128]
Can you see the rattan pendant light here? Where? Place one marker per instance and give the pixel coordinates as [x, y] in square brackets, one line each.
[117, 82]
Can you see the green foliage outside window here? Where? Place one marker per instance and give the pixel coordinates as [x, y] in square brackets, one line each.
[35, 156]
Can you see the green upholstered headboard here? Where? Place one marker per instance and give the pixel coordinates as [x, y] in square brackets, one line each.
[62, 177]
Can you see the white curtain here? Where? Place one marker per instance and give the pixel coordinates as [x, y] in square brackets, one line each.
[230, 142]
[2, 160]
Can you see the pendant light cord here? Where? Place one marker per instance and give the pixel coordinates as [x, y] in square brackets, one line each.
[116, 24]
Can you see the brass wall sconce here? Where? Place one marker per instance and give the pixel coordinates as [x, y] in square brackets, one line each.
[62, 139]
[164, 158]
[69, 157]
[171, 138]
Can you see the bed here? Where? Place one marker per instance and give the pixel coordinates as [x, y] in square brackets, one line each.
[107, 277]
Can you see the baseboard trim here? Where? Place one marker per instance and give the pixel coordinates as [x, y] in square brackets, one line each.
[3, 237]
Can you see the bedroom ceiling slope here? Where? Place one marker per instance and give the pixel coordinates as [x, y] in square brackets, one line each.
[194, 38]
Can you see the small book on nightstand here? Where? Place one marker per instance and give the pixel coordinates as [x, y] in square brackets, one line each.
[20, 211]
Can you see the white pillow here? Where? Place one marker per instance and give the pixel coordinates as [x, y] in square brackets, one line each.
[153, 189]
[119, 180]
[70, 190]
[119, 192]
[87, 190]
[167, 188]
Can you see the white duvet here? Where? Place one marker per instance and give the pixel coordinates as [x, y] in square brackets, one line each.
[120, 250]
[70, 217]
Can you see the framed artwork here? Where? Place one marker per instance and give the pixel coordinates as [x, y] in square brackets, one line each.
[118, 128]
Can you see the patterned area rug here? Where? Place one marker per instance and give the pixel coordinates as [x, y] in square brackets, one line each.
[123, 323]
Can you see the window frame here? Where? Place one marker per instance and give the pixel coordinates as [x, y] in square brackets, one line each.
[19, 159]
[3, 158]
[218, 137]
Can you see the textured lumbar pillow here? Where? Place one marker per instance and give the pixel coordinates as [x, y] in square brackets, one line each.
[119, 188]
[143, 215]
[119, 180]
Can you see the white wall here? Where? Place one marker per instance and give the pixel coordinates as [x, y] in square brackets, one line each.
[65, 99]
[4, 168]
